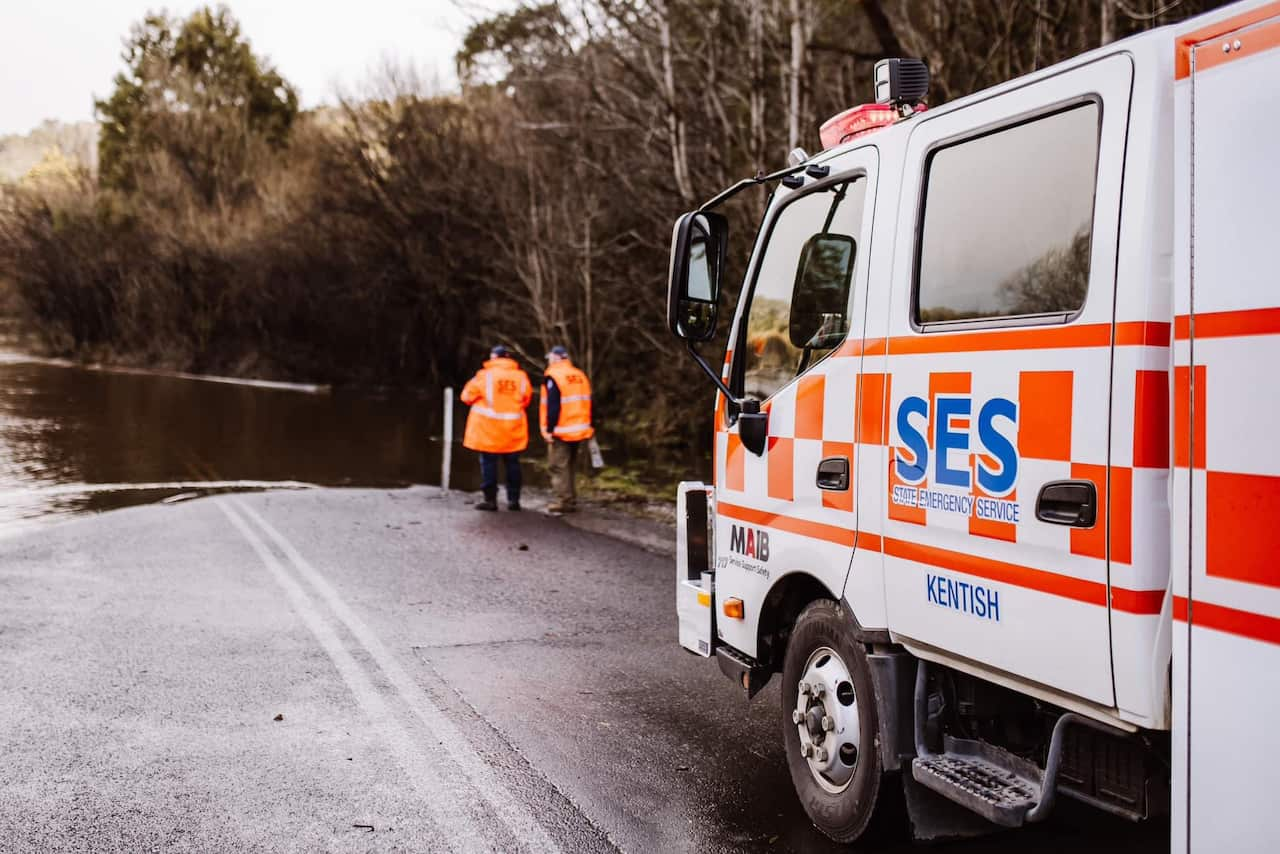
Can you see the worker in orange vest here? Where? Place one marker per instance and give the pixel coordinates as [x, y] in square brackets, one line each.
[564, 415]
[498, 395]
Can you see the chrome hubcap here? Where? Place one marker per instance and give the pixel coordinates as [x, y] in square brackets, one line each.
[826, 718]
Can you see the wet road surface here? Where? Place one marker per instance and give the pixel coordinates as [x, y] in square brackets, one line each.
[445, 680]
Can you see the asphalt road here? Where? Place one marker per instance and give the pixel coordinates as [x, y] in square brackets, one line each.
[381, 670]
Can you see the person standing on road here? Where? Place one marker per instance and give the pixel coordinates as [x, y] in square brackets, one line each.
[565, 418]
[497, 428]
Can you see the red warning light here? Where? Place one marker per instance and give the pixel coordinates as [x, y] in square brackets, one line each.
[855, 122]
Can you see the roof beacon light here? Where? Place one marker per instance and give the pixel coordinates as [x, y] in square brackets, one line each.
[845, 126]
[901, 82]
[901, 85]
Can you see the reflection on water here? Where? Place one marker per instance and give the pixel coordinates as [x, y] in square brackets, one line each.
[74, 440]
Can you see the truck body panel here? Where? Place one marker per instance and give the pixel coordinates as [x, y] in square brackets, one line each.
[772, 520]
[1226, 473]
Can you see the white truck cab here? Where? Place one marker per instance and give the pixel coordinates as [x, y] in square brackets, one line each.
[996, 482]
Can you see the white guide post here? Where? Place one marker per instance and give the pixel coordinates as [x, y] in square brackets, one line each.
[446, 444]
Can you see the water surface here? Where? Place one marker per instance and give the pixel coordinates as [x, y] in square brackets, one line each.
[76, 440]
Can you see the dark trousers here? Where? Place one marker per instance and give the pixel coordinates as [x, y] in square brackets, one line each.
[489, 475]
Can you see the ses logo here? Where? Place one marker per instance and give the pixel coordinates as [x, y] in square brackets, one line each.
[750, 542]
[991, 441]
[507, 386]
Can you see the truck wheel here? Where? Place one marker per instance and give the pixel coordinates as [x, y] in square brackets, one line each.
[829, 722]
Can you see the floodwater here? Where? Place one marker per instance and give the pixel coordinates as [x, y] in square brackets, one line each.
[76, 440]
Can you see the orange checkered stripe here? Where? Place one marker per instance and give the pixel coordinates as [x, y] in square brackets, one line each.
[809, 426]
[1239, 509]
[1044, 434]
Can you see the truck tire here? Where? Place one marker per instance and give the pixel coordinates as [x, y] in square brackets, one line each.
[829, 723]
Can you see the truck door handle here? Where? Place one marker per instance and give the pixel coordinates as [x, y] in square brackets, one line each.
[833, 474]
[1068, 502]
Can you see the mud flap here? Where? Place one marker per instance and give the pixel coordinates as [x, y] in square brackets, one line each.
[695, 587]
[933, 818]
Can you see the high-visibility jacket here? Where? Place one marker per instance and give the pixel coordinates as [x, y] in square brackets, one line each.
[569, 387]
[497, 395]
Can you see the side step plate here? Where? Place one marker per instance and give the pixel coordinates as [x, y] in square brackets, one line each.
[994, 783]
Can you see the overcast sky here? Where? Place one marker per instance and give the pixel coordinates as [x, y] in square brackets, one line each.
[58, 55]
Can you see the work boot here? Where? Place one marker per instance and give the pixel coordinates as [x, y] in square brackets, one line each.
[514, 505]
[490, 501]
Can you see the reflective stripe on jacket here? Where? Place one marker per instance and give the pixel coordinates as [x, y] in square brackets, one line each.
[497, 395]
[572, 421]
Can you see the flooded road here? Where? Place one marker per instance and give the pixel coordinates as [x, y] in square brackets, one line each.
[75, 440]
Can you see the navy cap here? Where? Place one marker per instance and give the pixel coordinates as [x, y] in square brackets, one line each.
[558, 350]
[499, 351]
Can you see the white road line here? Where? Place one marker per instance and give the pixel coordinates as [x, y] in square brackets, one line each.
[423, 771]
[85, 488]
[519, 821]
[8, 357]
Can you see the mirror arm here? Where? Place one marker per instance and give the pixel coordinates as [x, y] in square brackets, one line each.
[805, 356]
[715, 378]
[745, 183]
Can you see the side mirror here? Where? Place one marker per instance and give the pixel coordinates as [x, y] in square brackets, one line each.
[820, 298]
[697, 263]
[753, 427]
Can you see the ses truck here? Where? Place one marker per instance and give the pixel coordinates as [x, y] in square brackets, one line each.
[997, 469]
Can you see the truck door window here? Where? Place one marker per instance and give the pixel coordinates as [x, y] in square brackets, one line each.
[1008, 221]
[800, 300]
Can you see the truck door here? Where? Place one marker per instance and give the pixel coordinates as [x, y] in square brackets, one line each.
[999, 332]
[791, 509]
[1226, 603]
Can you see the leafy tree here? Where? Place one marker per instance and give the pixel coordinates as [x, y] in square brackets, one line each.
[526, 41]
[196, 98]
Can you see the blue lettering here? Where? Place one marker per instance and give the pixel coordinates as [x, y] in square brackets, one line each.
[974, 599]
[1001, 480]
[912, 470]
[999, 511]
[946, 440]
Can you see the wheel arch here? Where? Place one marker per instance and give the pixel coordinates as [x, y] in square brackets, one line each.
[788, 596]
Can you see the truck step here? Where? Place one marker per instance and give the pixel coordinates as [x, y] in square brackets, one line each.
[993, 782]
[742, 669]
